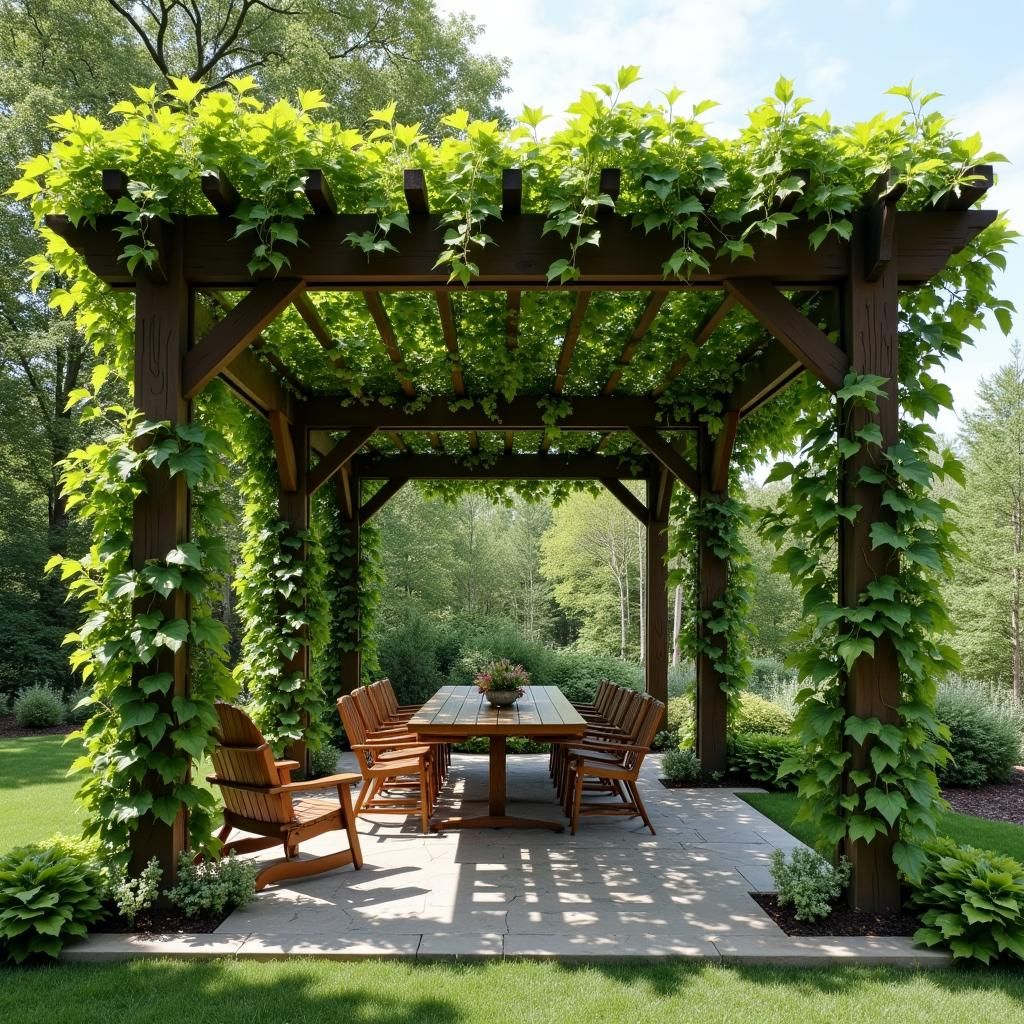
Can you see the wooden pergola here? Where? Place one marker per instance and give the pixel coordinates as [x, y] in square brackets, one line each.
[322, 440]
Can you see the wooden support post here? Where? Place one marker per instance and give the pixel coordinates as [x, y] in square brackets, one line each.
[656, 609]
[712, 580]
[349, 498]
[161, 515]
[293, 506]
[870, 337]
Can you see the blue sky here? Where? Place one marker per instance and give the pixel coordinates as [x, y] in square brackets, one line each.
[843, 53]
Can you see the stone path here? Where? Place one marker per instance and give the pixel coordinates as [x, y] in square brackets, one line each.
[611, 891]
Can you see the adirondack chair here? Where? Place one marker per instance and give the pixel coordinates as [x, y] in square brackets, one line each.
[257, 792]
[614, 765]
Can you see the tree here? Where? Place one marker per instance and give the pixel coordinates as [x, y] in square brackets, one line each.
[986, 595]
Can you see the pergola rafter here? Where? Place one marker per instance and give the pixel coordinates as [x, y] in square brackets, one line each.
[889, 249]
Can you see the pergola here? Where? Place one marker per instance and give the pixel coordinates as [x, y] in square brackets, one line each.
[322, 440]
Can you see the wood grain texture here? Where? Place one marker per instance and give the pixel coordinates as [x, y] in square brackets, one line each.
[629, 501]
[668, 457]
[284, 451]
[337, 457]
[464, 711]
[381, 497]
[773, 371]
[656, 605]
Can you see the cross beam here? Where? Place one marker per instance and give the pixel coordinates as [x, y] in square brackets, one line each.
[502, 467]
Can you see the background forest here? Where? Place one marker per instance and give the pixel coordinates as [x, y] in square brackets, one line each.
[463, 580]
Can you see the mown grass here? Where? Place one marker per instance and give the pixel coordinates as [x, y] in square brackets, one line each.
[999, 836]
[36, 795]
[368, 992]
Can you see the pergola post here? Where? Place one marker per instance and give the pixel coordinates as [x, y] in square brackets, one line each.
[350, 495]
[656, 604]
[291, 441]
[161, 514]
[712, 580]
[869, 334]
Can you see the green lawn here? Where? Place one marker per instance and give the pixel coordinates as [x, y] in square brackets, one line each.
[36, 796]
[310, 992]
[999, 836]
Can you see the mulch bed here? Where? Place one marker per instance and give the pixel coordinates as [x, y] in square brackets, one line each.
[725, 782]
[10, 730]
[842, 920]
[156, 922]
[997, 802]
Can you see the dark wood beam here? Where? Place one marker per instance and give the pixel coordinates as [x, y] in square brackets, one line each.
[513, 307]
[304, 304]
[640, 329]
[337, 457]
[502, 467]
[663, 496]
[656, 605]
[805, 341]
[609, 184]
[236, 332]
[115, 184]
[451, 343]
[257, 385]
[381, 497]
[220, 192]
[619, 412]
[509, 441]
[387, 336]
[284, 450]
[626, 498]
[721, 451]
[344, 490]
[970, 193]
[414, 184]
[668, 456]
[511, 192]
[572, 335]
[319, 194]
[625, 259]
[774, 370]
[707, 328]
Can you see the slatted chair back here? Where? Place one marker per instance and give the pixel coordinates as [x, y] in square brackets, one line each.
[245, 764]
[378, 699]
[632, 714]
[620, 700]
[366, 709]
[650, 721]
[605, 692]
[355, 730]
[389, 695]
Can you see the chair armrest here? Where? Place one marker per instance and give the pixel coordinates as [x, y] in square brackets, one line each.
[623, 747]
[386, 746]
[290, 765]
[342, 779]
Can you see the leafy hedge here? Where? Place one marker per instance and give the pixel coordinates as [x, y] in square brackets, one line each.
[984, 742]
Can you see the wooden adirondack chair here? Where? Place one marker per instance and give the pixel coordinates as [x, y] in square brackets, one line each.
[257, 792]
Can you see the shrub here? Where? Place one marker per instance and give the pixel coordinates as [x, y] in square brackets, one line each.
[323, 760]
[212, 888]
[754, 714]
[808, 882]
[680, 719]
[38, 707]
[985, 739]
[973, 901]
[134, 895]
[681, 767]
[768, 675]
[47, 896]
[758, 757]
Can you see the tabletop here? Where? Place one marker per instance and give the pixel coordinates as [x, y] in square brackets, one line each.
[464, 711]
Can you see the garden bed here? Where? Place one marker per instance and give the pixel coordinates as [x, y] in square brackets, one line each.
[997, 802]
[842, 920]
[157, 922]
[725, 782]
[10, 730]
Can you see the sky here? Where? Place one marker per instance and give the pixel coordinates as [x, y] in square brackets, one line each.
[843, 53]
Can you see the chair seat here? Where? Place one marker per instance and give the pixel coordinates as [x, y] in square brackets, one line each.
[606, 769]
[312, 809]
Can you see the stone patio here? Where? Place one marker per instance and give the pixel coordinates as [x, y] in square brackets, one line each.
[611, 891]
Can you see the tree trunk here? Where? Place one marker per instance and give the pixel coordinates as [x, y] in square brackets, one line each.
[643, 600]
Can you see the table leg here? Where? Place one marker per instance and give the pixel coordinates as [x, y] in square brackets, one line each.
[496, 775]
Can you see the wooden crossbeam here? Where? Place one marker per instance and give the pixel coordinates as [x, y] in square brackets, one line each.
[563, 466]
[220, 192]
[396, 439]
[805, 341]
[284, 450]
[721, 453]
[304, 304]
[256, 385]
[668, 457]
[880, 224]
[414, 184]
[629, 501]
[236, 332]
[319, 194]
[387, 336]
[344, 486]
[381, 497]
[640, 329]
[703, 335]
[511, 192]
[970, 193]
[609, 183]
[451, 343]
[663, 497]
[774, 370]
[572, 335]
[337, 457]
[524, 413]
[626, 259]
[509, 441]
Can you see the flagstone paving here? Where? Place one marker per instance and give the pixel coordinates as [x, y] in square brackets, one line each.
[611, 891]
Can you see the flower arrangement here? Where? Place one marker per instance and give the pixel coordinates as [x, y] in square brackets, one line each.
[502, 678]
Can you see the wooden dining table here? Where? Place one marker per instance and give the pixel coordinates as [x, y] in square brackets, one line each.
[456, 713]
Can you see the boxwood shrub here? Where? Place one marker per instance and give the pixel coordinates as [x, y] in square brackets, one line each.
[985, 741]
[757, 756]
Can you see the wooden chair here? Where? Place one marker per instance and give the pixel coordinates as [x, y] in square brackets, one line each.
[397, 775]
[257, 792]
[613, 765]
